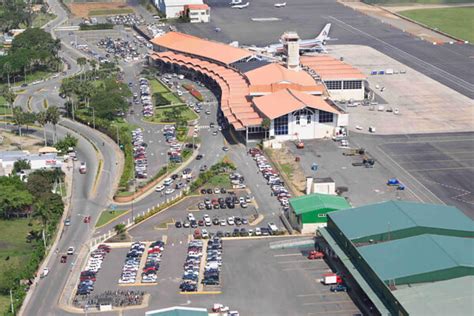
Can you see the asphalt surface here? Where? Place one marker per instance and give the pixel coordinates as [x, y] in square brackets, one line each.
[441, 163]
[451, 65]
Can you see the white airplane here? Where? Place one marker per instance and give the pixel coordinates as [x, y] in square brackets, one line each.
[310, 45]
[241, 6]
[280, 5]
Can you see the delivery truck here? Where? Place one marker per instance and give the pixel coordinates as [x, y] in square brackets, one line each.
[331, 278]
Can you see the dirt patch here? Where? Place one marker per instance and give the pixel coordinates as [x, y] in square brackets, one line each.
[84, 9]
[289, 168]
[10, 141]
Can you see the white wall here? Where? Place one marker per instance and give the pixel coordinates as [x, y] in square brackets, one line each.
[314, 130]
[201, 17]
[173, 8]
[311, 228]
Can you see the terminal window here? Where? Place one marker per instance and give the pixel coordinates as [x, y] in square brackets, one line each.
[333, 85]
[280, 125]
[352, 84]
[326, 117]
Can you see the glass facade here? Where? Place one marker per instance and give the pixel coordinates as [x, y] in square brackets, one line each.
[326, 117]
[280, 125]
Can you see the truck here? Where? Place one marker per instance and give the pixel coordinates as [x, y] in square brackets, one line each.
[83, 168]
[315, 255]
[331, 278]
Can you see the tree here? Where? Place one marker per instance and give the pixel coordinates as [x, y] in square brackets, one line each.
[42, 211]
[22, 164]
[64, 144]
[14, 197]
[29, 119]
[38, 184]
[81, 61]
[120, 230]
[18, 117]
[42, 119]
[266, 123]
[7, 68]
[8, 95]
[52, 113]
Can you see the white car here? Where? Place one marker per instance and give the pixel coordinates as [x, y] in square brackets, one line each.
[223, 222]
[272, 227]
[191, 217]
[159, 188]
[204, 233]
[230, 220]
[258, 232]
[44, 273]
[70, 251]
[169, 191]
[167, 182]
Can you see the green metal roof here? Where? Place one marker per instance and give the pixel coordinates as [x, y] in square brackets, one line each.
[392, 216]
[404, 260]
[178, 311]
[450, 297]
[316, 201]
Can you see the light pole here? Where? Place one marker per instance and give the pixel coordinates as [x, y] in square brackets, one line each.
[93, 117]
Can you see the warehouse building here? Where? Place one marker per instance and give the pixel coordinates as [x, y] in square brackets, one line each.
[309, 212]
[396, 249]
[197, 13]
[174, 8]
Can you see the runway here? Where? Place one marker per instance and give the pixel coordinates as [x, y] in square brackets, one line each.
[452, 65]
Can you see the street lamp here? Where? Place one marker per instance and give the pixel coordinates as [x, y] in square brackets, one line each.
[93, 117]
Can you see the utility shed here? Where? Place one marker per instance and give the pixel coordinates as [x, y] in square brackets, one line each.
[424, 258]
[308, 212]
[450, 297]
[400, 219]
[178, 311]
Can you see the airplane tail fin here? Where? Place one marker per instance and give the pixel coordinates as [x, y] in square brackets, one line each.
[324, 33]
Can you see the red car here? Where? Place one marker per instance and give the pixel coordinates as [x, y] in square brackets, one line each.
[87, 219]
[315, 255]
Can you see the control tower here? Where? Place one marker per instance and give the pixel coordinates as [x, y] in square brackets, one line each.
[291, 43]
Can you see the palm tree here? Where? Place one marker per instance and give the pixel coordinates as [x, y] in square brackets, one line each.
[266, 123]
[9, 96]
[7, 68]
[18, 117]
[81, 61]
[93, 64]
[53, 116]
[42, 119]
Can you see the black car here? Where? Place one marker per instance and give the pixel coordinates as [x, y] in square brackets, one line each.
[174, 176]
[209, 191]
[219, 234]
[194, 224]
[178, 224]
[231, 205]
[227, 234]
[208, 207]
[243, 232]
[203, 191]
[211, 281]
[222, 205]
[236, 232]
[199, 157]
[237, 221]
[223, 190]
[215, 221]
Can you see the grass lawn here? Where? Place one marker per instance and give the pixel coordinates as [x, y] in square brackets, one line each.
[13, 244]
[220, 181]
[107, 215]
[4, 303]
[158, 87]
[42, 18]
[110, 11]
[4, 110]
[458, 22]
[188, 114]
[287, 169]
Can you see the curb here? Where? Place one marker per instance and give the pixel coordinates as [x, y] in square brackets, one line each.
[113, 219]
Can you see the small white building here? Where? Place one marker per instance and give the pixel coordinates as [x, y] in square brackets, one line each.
[198, 13]
[37, 161]
[298, 115]
[174, 8]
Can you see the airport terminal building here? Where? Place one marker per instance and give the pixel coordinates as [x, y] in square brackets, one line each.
[291, 96]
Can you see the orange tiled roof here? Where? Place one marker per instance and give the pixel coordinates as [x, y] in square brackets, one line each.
[276, 73]
[234, 88]
[189, 44]
[330, 68]
[285, 101]
[196, 6]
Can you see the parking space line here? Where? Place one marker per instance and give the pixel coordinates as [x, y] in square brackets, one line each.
[344, 311]
[294, 261]
[307, 269]
[328, 302]
[201, 293]
[288, 255]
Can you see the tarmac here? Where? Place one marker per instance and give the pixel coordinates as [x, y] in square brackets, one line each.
[451, 65]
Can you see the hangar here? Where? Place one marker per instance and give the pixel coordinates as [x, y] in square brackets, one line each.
[290, 95]
[396, 249]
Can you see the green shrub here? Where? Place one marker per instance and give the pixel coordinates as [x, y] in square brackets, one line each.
[99, 26]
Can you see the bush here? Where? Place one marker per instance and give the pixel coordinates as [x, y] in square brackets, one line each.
[65, 143]
[160, 100]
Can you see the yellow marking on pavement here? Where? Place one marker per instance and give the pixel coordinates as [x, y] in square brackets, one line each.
[329, 302]
[113, 219]
[164, 239]
[202, 293]
[288, 255]
[96, 180]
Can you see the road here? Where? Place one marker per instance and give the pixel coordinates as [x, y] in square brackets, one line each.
[86, 198]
